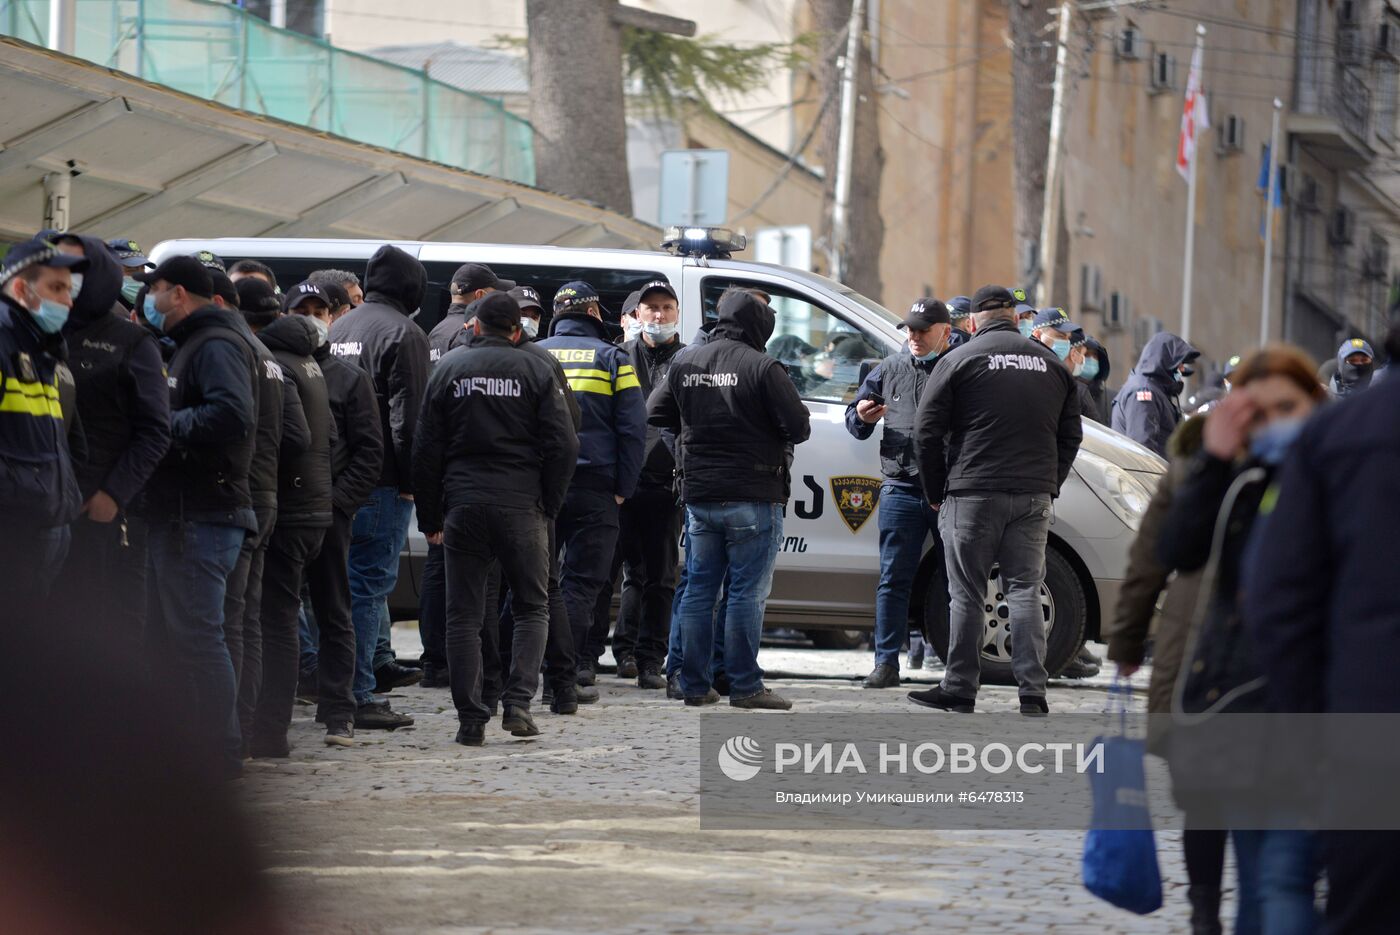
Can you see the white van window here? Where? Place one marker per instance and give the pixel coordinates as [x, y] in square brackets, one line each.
[822, 350]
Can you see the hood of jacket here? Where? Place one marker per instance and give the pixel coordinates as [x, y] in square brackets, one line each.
[579, 325]
[1104, 367]
[395, 278]
[744, 317]
[210, 316]
[294, 334]
[703, 334]
[1163, 353]
[102, 285]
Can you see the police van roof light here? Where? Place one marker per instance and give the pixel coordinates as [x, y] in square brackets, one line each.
[711, 242]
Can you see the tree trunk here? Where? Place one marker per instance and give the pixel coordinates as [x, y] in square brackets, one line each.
[865, 228]
[1032, 90]
[576, 102]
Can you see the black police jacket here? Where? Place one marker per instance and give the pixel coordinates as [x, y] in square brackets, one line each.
[998, 413]
[282, 431]
[213, 424]
[495, 430]
[122, 397]
[735, 411]
[357, 455]
[532, 347]
[441, 338]
[385, 343]
[651, 365]
[304, 479]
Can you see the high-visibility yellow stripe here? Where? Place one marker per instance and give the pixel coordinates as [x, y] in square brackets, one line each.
[587, 374]
[628, 381]
[625, 370]
[32, 388]
[39, 406]
[589, 385]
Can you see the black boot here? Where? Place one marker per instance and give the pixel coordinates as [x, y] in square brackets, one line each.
[1205, 909]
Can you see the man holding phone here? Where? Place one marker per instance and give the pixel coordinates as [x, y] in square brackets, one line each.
[891, 392]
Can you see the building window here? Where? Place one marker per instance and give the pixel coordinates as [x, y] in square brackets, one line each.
[1387, 94]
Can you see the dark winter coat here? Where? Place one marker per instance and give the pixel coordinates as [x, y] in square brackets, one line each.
[900, 380]
[304, 479]
[1146, 408]
[358, 453]
[651, 365]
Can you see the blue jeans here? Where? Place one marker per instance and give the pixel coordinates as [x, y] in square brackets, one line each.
[906, 520]
[675, 652]
[376, 539]
[744, 538]
[188, 571]
[1278, 873]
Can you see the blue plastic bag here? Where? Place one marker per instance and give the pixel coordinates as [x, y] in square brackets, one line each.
[1120, 850]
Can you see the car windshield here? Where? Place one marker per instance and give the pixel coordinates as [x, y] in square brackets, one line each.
[870, 304]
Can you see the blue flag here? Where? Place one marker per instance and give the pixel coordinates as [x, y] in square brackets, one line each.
[1263, 186]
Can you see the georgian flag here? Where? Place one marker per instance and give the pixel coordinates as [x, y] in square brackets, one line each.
[1194, 118]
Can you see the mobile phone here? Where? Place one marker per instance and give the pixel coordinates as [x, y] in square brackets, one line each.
[876, 398]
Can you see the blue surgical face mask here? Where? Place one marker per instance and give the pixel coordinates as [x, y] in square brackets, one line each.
[51, 316]
[633, 327]
[1061, 348]
[1272, 443]
[1089, 369]
[924, 359]
[130, 289]
[154, 315]
[1178, 376]
[658, 332]
[1026, 327]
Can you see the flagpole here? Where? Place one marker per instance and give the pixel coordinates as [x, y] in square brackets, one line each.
[1191, 200]
[1269, 226]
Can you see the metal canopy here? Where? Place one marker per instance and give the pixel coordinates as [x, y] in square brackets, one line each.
[152, 164]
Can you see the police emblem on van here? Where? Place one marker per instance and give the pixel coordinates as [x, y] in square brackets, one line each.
[856, 499]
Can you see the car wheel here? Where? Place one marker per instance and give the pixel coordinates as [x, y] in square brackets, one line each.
[836, 639]
[1062, 604]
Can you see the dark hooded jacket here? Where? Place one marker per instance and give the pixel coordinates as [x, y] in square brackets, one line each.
[303, 479]
[1098, 387]
[122, 398]
[734, 408]
[444, 334]
[357, 455]
[612, 439]
[1146, 409]
[1349, 378]
[652, 364]
[379, 336]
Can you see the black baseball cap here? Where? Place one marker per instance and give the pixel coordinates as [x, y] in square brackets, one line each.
[473, 276]
[336, 295]
[527, 297]
[36, 252]
[129, 253]
[183, 271]
[657, 285]
[959, 306]
[257, 301]
[575, 294]
[303, 291]
[223, 288]
[1053, 318]
[498, 311]
[925, 313]
[629, 304]
[992, 297]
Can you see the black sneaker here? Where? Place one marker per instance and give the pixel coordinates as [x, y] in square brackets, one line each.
[916, 657]
[269, 748]
[766, 700]
[882, 676]
[586, 674]
[1034, 706]
[700, 701]
[1084, 665]
[563, 701]
[471, 735]
[650, 677]
[391, 675]
[673, 688]
[518, 723]
[340, 734]
[411, 663]
[308, 688]
[585, 694]
[434, 677]
[626, 668]
[377, 715]
[936, 697]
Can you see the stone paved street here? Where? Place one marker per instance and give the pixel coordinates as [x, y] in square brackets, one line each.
[593, 827]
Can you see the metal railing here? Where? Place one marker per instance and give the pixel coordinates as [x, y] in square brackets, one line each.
[1335, 89]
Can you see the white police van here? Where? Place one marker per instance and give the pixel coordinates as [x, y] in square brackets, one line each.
[829, 562]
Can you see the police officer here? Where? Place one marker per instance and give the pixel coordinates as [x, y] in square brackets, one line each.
[1147, 408]
[39, 492]
[531, 311]
[303, 515]
[891, 392]
[125, 407]
[650, 522]
[1094, 373]
[200, 506]
[492, 460]
[382, 340]
[612, 442]
[1052, 328]
[738, 417]
[960, 314]
[357, 455]
[471, 282]
[996, 434]
[133, 260]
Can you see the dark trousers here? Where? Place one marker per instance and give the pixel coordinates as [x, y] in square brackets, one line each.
[650, 541]
[559, 669]
[473, 538]
[30, 561]
[289, 549]
[242, 611]
[587, 535]
[432, 609]
[328, 580]
[1362, 867]
[602, 607]
[103, 582]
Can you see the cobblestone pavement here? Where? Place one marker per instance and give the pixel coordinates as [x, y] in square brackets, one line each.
[593, 827]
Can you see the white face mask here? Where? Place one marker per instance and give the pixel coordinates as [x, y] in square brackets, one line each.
[660, 333]
[530, 327]
[77, 285]
[323, 330]
[633, 327]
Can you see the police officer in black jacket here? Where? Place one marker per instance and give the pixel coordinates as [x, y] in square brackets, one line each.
[199, 504]
[738, 417]
[996, 435]
[383, 341]
[124, 404]
[492, 461]
[303, 515]
[357, 454]
[471, 282]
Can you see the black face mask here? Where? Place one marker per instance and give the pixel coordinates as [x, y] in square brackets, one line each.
[1355, 373]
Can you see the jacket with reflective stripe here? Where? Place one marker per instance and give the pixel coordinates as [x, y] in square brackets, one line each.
[37, 485]
[612, 439]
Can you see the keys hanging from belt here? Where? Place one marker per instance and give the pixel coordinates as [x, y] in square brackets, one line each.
[125, 543]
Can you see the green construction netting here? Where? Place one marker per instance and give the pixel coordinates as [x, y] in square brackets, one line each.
[218, 52]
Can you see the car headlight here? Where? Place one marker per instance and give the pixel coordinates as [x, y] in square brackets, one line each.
[1121, 491]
